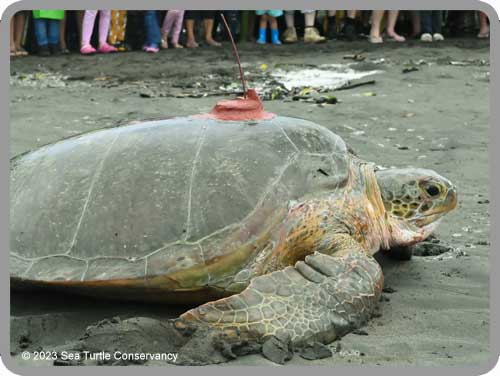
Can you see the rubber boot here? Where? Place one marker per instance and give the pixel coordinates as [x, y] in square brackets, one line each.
[290, 35]
[275, 37]
[262, 36]
[311, 35]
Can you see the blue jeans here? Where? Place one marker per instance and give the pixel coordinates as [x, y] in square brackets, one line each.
[431, 20]
[46, 31]
[153, 33]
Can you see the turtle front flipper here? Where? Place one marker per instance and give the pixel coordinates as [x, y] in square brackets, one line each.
[317, 300]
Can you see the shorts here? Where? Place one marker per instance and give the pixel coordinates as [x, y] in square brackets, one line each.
[272, 13]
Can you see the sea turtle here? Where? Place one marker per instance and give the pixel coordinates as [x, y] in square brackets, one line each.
[270, 223]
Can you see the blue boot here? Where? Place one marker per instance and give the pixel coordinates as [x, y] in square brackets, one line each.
[262, 36]
[275, 38]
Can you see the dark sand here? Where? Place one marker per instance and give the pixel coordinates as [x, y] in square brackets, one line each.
[436, 117]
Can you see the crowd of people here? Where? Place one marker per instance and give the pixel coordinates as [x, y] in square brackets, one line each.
[54, 32]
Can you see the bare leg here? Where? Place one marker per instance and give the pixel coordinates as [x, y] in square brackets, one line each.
[377, 16]
[391, 24]
[263, 21]
[351, 14]
[273, 23]
[62, 34]
[18, 33]
[12, 31]
[191, 40]
[484, 29]
[208, 26]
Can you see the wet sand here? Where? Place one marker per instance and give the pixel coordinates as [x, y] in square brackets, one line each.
[435, 117]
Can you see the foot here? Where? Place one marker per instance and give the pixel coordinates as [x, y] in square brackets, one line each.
[21, 51]
[151, 49]
[106, 49]
[213, 42]
[376, 39]
[13, 51]
[484, 34]
[396, 37]
[192, 44]
[164, 42]
[426, 37]
[290, 35]
[87, 50]
[437, 37]
[177, 45]
[311, 35]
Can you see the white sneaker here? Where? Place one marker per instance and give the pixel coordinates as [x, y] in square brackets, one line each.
[438, 37]
[426, 37]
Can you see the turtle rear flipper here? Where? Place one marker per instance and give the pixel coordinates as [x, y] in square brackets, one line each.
[317, 300]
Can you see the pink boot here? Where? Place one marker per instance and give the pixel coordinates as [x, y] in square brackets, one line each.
[106, 48]
[87, 50]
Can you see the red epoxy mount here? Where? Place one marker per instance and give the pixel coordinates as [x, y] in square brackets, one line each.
[244, 108]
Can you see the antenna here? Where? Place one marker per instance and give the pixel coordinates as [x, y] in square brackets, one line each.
[235, 50]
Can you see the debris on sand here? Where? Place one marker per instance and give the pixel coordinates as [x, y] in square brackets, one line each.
[350, 85]
[355, 57]
[326, 76]
[410, 69]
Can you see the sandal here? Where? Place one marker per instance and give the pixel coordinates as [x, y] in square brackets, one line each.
[485, 35]
[164, 43]
[376, 40]
[177, 45]
[151, 49]
[396, 38]
[87, 50]
[21, 52]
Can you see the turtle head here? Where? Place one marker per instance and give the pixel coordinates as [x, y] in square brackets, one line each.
[416, 196]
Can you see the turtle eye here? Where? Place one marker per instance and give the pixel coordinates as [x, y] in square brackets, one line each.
[432, 190]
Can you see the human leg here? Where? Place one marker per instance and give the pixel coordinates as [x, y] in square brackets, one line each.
[377, 16]
[391, 24]
[18, 33]
[290, 34]
[262, 29]
[104, 23]
[177, 28]
[88, 26]
[153, 33]
[311, 34]
[273, 24]
[484, 29]
[208, 27]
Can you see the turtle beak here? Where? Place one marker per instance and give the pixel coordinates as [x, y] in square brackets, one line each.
[451, 199]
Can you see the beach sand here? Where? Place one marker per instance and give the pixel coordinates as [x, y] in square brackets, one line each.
[436, 308]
